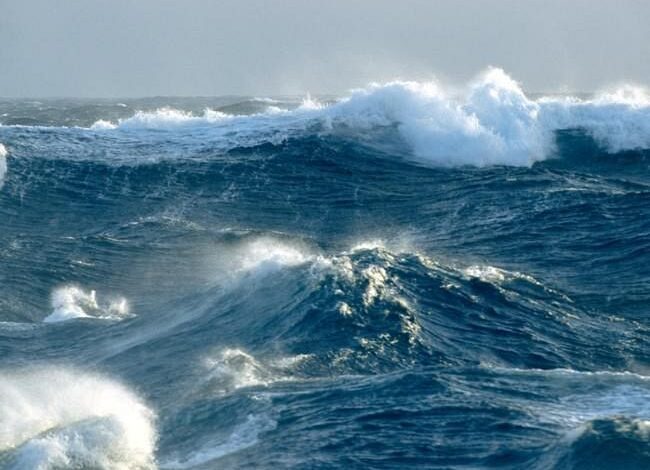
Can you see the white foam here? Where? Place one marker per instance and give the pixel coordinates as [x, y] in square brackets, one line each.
[368, 245]
[264, 255]
[268, 253]
[376, 278]
[494, 122]
[165, 118]
[63, 418]
[103, 125]
[3, 164]
[486, 273]
[618, 121]
[71, 302]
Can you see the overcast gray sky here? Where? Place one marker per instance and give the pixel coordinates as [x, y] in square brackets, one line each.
[104, 48]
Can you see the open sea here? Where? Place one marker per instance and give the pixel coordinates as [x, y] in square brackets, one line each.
[406, 276]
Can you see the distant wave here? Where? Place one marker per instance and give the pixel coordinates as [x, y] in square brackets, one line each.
[491, 122]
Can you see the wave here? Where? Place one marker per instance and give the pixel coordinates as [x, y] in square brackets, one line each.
[232, 369]
[375, 307]
[597, 419]
[491, 122]
[163, 118]
[73, 302]
[243, 436]
[78, 420]
[266, 254]
[616, 442]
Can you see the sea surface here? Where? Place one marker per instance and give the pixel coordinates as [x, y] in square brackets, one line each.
[406, 276]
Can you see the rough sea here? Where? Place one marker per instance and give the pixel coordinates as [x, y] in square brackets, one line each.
[407, 276]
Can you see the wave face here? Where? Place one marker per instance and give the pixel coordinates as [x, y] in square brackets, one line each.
[408, 276]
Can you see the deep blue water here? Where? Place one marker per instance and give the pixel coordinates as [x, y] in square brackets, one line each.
[284, 292]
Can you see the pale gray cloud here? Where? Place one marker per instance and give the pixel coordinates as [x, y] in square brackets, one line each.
[215, 47]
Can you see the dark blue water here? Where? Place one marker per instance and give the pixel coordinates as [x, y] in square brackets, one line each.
[279, 291]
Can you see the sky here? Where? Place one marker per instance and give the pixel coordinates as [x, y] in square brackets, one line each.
[131, 48]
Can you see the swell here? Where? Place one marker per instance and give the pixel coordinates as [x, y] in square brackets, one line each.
[579, 221]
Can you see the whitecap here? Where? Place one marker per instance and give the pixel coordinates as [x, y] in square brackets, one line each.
[165, 118]
[69, 302]
[269, 254]
[259, 256]
[78, 420]
[103, 125]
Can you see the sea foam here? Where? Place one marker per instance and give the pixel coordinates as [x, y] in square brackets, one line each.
[3, 164]
[70, 302]
[64, 418]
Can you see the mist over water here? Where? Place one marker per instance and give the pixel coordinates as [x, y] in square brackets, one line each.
[408, 275]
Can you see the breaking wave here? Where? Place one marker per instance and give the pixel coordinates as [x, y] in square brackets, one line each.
[243, 436]
[63, 418]
[71, 302]
[490, 122]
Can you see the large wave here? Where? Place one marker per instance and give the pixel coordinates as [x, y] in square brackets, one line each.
[490, 121]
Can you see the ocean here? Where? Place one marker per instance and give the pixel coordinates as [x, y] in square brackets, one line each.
[406, 276]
